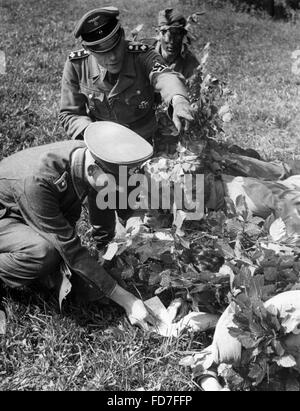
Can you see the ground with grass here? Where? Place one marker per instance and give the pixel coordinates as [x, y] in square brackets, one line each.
[93, 347]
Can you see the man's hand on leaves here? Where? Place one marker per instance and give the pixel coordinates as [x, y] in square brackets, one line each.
[139, 315]
[135, 309]
[182, 112]
[100, 236]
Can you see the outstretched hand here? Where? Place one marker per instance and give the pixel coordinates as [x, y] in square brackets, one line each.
[137, 312]
[183, 112]
[139, 315]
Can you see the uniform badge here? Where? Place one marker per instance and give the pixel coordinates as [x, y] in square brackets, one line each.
[78, 54]
[61, 183]
[138, 47]
[94, 21]
[143, 104]
[158, 67]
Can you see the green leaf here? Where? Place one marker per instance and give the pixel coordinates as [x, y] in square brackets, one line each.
[248, 340]
[232, 378]
[258, 371]
[204, 360]
[291, 322]
[128, 272]
[234, 332]
[256, 286]
[256, 330]
[242, 208]
[224, 248]
[234, 226]
[270, 274]
[165, 278]
[256, 220]
[252, 230]
[272, 319]
[287, 361]
[278, 348]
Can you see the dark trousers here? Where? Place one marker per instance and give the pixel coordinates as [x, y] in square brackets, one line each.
[27, 259]
[25, 256]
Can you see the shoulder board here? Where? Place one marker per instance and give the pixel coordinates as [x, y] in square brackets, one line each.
[78, 54]
[138, 47]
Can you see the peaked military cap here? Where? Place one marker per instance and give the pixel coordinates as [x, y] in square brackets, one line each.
[113, 145]
[100, 29]
[171, 18]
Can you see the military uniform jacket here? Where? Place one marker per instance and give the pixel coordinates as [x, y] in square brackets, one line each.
[88, 96]
[42, 186]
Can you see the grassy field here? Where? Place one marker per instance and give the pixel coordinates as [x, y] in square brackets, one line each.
[93, 347]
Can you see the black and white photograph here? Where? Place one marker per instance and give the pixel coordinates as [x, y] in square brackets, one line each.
[150, 198]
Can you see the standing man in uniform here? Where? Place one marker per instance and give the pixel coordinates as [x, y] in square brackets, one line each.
[116, 80]
[41, 193]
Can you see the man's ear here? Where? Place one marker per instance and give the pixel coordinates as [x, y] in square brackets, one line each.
[92, 168]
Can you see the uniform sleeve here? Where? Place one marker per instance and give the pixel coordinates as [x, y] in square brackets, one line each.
[165, 81]
[40, 208]
[73, 115]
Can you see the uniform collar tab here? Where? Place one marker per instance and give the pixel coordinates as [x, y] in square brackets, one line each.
[96, 71]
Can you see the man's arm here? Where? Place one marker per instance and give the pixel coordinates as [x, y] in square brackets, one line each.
[136, 310]
[170, 85]
[165, 81]
[73, 114]
[40, 209]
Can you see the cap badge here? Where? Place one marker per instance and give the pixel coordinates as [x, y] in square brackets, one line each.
[94, 21]
[143, 104]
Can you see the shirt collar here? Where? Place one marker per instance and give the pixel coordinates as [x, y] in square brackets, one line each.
[95, 71]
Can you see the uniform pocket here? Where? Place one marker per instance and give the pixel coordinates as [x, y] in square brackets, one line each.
[140, 100]
[96, 102]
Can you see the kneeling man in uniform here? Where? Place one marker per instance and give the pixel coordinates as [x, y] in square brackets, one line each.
[41, 194]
